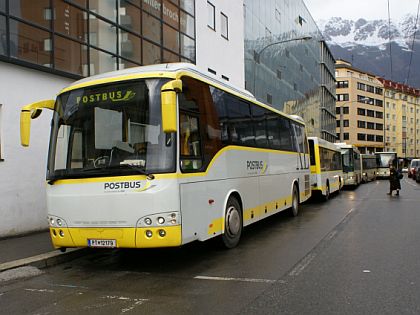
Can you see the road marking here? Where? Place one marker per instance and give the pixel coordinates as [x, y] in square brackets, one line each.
[40, 290]
[136, 303]
[238, 279]
[69, 286]
[302, 265]
[366, 271]
[331, 235]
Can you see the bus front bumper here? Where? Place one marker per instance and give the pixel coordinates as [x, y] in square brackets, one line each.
[150, 237]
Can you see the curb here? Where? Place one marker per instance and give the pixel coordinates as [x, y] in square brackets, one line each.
[45, 260]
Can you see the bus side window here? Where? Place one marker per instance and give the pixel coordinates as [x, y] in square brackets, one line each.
[190, 143]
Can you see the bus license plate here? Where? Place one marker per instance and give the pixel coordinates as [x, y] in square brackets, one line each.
[102, 243]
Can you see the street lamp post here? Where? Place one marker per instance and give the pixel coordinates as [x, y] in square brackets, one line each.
[257, 55]
[342, 116]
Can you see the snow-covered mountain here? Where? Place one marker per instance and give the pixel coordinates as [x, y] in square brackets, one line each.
[367, 45]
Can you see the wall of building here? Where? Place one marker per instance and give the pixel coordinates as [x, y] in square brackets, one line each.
[22, 170]
[361, 96]
[283, 62]
[224, 56]
[402, 121]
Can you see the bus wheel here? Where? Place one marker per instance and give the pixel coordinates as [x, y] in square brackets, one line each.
[294, 210]
[233, 223]
[327, 192]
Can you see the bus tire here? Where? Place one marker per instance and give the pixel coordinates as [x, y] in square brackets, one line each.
[233, 223]
[327, 192]
[294, 209]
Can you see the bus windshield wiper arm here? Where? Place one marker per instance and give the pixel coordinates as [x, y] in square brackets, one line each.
[134, 167]
[122, 166]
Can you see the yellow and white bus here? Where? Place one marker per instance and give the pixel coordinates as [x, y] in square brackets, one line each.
[352, 173]
[326, 167]
[369, 167]
[164, 155]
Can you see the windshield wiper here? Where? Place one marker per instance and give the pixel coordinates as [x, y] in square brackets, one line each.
[122, 166]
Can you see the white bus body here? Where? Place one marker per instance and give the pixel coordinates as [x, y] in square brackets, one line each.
[211, 175]
[351, 164]
[326, 167]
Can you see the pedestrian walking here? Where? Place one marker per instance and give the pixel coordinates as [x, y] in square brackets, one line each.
[394, 180]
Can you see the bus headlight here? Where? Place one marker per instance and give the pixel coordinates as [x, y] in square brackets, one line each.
[148, 221]
[160, 219]
[54, 221]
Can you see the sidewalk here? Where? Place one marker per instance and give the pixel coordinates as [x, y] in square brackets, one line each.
[33, 249]
[25, 246]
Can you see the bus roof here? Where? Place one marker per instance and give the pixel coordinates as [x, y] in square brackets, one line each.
[168, 70]
[343, 145]
[173, 71]
[324, 143]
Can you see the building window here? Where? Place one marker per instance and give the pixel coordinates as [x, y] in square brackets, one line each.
[379, 127]
[370, 89]
[370, 137]
[342, 97]
[361, 86]
[346, 136]
[379, 103]
[345, 110]
[346, 123]
[224, 21]
[361, 136]
[370, 113]
[361, 111]
[378, 91]
[370, 125]
[211, 16]
[342, 84]
[379, 115]
[361, 124]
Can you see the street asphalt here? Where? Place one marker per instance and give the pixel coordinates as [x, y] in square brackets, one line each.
[354, 254]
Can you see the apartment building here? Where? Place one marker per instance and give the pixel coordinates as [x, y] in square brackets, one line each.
[402, 119]
[359, 108]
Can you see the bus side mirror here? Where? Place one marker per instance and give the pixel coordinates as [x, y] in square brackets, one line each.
[29, 112]
[168, 103]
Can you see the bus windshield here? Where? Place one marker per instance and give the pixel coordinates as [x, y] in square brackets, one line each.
[385, 159]
[110, 130]
[348, 163]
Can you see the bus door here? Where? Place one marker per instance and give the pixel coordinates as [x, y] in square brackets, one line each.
[301, 147]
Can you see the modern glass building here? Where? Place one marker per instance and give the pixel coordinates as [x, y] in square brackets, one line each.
[287, 63]
[78, 38]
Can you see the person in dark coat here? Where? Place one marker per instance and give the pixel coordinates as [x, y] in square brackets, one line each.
[394, 180]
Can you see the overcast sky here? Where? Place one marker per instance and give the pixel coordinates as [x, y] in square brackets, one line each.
[354, 9]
